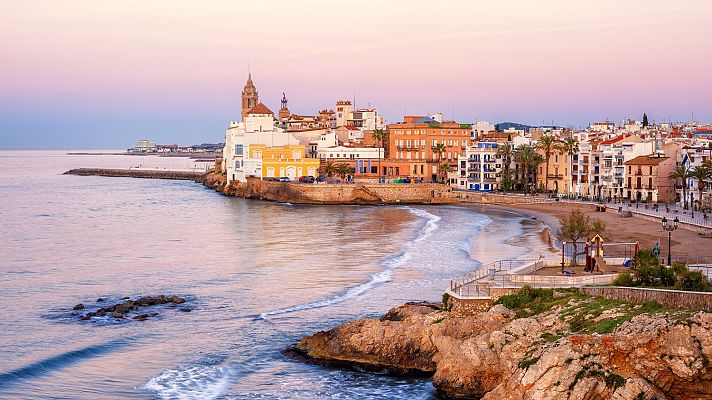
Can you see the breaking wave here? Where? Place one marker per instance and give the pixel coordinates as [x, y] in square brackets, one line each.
[376, 279]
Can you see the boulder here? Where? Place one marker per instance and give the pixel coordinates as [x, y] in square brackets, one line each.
[117, 315]
[78, 307]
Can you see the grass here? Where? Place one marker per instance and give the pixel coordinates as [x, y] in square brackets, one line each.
[583, 313]
[528, 362]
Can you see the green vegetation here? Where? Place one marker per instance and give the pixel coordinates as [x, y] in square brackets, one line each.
[578, 226]
[528, 362]
[593, 370]
[528, 301]
[439, 320]
[584, 314]
[649, 272]
[446, 302]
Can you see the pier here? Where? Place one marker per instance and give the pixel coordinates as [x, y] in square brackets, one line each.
[145, 173]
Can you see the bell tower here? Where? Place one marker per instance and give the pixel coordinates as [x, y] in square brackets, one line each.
[250, 97]
[284, 110]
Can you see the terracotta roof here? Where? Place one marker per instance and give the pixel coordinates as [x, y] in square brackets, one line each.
[259, 109]
[646, 160]
[611, 141]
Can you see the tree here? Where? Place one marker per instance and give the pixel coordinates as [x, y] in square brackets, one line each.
[344, 169]
[570, 146]
[444, 169]
[700, 174]
[577, 226]
[330, 168]
[681, 172]
[547, 144]
[379, 135]
[525, 155]
[438, 150]
[506, 152]
[645, 120]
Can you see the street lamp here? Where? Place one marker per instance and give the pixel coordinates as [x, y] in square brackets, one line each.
[669, 228]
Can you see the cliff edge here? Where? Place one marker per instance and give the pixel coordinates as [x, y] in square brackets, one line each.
[552, 345]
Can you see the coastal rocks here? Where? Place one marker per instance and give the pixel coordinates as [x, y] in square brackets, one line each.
[121, 310]
[499, 355]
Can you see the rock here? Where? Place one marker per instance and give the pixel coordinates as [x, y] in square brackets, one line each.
[125, 298]
[117, 315]
[141, 317]
[177, 300]
[85, 317]
[100, 300]
[78, 307]
[494, 355]
[186, 309]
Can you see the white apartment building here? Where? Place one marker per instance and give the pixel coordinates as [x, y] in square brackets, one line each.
[259, 127]
[480, 168]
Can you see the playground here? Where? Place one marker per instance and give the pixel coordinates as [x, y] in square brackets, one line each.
[594, 257]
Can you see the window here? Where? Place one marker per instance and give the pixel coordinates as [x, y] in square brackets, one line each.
[296, 154]
[238, 150]
[257, 154]
[237, 164]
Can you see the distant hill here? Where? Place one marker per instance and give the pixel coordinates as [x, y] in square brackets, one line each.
[502, 126]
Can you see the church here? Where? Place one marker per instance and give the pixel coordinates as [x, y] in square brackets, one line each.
[257, 147]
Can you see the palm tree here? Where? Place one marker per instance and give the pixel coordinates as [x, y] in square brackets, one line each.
[570, 146]
[379, 135]
[681, 172]
[547, 144]
[536, 160]
[524, 155]
[330, 168]
[438, 150]
[444, 169]
[344, 169]
[506, 152]
[700, 173]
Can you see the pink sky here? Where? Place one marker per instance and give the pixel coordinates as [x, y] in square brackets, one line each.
[152, 67]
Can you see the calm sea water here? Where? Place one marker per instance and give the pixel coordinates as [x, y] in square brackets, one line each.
[257, 275]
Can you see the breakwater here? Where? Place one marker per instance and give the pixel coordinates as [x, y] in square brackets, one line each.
[136, 173]
[300, 193]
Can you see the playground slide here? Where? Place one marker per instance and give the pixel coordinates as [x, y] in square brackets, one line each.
[600, 264]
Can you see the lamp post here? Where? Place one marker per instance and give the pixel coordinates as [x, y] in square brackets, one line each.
[692, 204]
[669, 228]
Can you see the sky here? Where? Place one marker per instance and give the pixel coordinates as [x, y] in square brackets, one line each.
[103, 74]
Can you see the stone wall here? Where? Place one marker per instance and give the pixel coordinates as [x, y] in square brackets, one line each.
[301, 193]
[668, 298]
[463, 307]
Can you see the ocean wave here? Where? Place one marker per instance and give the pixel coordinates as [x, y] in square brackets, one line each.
[191, 382]
[376, 279]
[59, 361]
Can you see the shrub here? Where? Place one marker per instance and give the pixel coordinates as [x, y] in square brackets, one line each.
[526, 297]
[679, 268]
[694, 281]
[624, 279]
[446, 302]
[667, 276]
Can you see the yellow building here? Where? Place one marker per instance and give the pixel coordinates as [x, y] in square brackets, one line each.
[284, 161]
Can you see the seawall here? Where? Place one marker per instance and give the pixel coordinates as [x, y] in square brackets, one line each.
[299, 193]
[136, 173]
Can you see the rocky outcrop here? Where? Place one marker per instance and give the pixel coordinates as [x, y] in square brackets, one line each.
[122, 310]
[555, 354]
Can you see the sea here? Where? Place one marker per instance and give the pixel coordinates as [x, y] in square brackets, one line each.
[257, 276]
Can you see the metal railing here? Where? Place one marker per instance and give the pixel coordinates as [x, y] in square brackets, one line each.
[498, 266]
